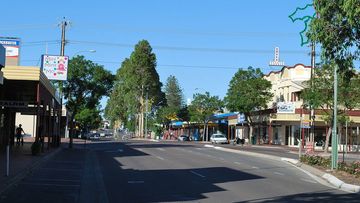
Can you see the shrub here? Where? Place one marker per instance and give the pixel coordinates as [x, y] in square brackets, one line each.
[351, 168]
[35, 148]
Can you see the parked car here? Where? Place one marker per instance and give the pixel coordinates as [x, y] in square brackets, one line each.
[219, 138]
[183, 138]
[94, 136]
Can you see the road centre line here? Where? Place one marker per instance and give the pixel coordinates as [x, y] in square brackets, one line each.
[160, 149]
[278, 173]
[255, 167]
[198, 174]
[238, 163]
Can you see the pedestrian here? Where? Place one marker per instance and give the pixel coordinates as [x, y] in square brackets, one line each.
[19, 136]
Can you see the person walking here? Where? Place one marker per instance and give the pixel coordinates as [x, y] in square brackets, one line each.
[19, 136]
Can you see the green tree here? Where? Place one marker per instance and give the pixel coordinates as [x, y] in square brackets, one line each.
[337, 29]
[173, 93]
[203, 107]
[321, 95]
[173, 101]
[248, 92]
[137, 82]
[87, 83]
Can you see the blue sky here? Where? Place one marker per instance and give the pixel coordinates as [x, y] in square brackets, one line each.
[201, 42]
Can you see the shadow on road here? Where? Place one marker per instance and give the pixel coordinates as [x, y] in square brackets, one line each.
[313, 197]
[165, 185]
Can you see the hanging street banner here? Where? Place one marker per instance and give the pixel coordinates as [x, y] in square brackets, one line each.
[55, 67]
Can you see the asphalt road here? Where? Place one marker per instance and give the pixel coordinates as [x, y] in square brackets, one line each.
[143, 171]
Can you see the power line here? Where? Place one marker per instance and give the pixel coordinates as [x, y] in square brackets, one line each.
[26, 27]
[169, 65]
[197, 49]
[187, 32]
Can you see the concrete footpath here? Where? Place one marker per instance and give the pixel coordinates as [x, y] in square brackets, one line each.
[21, 162]
[330, 179]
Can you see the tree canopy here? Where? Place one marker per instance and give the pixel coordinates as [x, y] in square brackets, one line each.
[87, 83]
[248, 91]
[337, 29]
[136, 80]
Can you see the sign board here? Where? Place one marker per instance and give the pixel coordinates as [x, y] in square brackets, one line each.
[309, 147]
[276, 61]
[55, 67]
[241, 118]
[2, 56]
[285, 107]
[12, 46]
[16, 104]
[305, 124]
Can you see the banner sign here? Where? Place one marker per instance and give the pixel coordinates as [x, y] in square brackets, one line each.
[17, 104]
[55, 67]
[305, 124]
[241, 118]
[285, 107]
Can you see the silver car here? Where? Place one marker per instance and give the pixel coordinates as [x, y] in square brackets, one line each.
[219, 138]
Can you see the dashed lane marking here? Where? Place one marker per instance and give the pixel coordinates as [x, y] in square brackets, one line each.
[198, 174]
[278, 173]
[159, 157]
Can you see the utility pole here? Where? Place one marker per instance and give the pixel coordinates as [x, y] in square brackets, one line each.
[64, 23]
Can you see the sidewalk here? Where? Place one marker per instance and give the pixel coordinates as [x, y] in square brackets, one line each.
[21, 162]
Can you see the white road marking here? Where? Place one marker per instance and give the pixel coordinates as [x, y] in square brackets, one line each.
[278, 173]
[198, 174]
[160, 149]
[159, 157]
[238, 163]
[255, 167]
[136, 182]
[222, 159]
[309, 181]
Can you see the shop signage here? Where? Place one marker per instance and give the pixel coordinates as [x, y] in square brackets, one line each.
[2, 56]
[305, 124]
[17, 104]
[12, 47]
[55, 67]
[285, 107]
[241, 118]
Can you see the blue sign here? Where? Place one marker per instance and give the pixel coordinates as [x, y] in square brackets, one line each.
[241, 118]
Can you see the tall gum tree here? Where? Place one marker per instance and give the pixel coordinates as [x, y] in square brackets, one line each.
[137, 80]
[248, 92]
